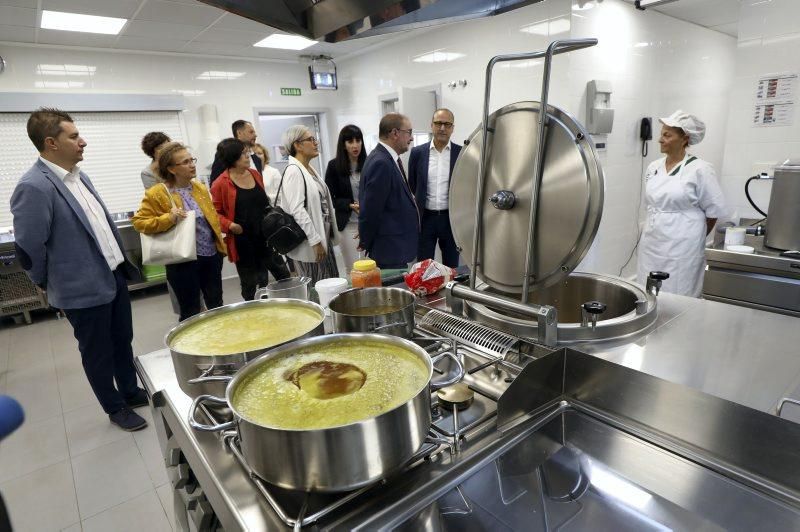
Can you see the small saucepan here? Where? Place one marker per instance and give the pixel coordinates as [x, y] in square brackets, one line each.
[381, 310]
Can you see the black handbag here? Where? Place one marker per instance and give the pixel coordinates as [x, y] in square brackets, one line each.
[279, 228]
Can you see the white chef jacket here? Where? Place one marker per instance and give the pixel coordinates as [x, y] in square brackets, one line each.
[438, 190]
[673, 239]
[94, 213]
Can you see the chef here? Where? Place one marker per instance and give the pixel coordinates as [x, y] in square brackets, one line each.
[683, 200]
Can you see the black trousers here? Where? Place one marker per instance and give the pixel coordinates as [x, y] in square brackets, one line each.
[253, 272]
[436, 228]
[104, 335]
[190, 279]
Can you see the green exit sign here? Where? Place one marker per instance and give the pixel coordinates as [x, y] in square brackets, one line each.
[290, 91]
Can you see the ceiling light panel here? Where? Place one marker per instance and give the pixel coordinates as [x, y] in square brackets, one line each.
[437, 57]
[65, 70]
[285, 42]
[219, 75]
[59, 20]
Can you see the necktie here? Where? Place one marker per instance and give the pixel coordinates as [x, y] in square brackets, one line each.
[408, 187]
[402, 170]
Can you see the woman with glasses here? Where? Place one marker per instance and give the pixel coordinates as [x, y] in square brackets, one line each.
[240, 200]
[156, 214]
[305, 196]
[342, 177]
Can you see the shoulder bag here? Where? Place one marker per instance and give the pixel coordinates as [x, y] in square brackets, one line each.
[177, 244]
[281, 232]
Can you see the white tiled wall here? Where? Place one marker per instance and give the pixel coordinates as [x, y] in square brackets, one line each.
[259, 87]
[769, 43]
[656, 64]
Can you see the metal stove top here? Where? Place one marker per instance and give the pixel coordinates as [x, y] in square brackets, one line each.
[241, 500]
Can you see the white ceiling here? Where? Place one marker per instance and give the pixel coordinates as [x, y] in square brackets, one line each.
[188, 26]
[183, 26]
[718, 15]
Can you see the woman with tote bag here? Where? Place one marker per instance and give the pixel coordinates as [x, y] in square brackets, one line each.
[164, 208]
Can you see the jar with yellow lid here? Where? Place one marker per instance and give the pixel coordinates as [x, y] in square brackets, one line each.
[365, 273]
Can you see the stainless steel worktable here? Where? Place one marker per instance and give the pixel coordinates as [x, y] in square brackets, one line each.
[744, 355]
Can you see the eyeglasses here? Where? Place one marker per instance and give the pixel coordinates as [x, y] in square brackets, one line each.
[193, 160]
[312, 139]
[409, 131]
[446, 125]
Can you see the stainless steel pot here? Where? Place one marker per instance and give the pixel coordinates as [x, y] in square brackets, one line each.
[209, 374]
[337, 458]
[350, 311]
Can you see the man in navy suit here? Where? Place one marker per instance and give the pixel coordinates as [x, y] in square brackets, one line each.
[388, 221]
[430, 167]
[69, 246]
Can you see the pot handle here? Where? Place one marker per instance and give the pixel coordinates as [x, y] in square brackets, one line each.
[208, 428]
[388, 325]
[211, 378]
[459, 374]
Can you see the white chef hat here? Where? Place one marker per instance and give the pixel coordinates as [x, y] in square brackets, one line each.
[690, 124]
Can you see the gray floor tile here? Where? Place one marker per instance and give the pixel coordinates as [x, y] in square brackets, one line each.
[164, 493]
[42, 500]
[149, 448]
[74, 528]
[141, 513]
[36, 388]
[33, 446]
[88, 428]
[108, 476]
[74, 390]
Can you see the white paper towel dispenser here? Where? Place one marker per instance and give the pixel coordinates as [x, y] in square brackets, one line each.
[599, 114]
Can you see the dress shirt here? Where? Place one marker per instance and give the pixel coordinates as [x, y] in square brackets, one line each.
[94, 213]
[438, 179]
[393, 154]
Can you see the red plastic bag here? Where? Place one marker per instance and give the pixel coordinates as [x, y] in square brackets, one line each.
[428, 277]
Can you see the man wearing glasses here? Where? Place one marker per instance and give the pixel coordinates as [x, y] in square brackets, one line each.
[388, 221]
[429, 169]
[69, 246]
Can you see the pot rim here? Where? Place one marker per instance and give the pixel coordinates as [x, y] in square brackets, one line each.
[323, 339]
[373, 288]
[233, 307]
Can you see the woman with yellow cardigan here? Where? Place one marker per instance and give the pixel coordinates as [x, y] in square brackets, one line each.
[157, 214]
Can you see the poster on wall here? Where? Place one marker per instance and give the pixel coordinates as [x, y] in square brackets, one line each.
[775, 100]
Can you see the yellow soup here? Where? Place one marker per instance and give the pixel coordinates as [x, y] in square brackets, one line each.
[330, 385]
[246, 329]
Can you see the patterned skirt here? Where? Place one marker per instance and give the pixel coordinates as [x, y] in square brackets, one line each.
[319, 270]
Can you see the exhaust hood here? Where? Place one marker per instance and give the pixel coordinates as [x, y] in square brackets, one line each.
[339, 20]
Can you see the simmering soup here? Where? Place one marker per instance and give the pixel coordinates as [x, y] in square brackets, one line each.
[330, 385]
[245, 329]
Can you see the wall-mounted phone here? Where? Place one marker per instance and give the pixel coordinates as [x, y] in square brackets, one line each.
[645, 133]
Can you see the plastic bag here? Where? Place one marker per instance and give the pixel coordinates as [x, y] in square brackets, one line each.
[428, 277]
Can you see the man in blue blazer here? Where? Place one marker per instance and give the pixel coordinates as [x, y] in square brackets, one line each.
[70, 247]
[388, 221]
[430, 167]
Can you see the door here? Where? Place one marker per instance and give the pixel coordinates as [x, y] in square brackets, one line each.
[271, 128]
[418, 105]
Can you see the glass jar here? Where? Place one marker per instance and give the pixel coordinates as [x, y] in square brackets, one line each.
[365, 273]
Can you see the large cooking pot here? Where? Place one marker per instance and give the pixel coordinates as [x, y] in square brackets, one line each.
[209, 374]
[339, 458]
[384, 310]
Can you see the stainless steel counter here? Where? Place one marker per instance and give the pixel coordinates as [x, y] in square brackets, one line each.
[741, 354]
[764, 279]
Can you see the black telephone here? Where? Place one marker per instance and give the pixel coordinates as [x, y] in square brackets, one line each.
[645, 134]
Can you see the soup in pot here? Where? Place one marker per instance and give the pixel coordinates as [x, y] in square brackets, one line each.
[330, 385]
[246, 329]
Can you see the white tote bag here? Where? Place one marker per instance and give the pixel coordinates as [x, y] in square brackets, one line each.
[178, 244]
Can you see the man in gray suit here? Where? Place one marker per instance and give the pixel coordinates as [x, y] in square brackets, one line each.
[69, 246]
